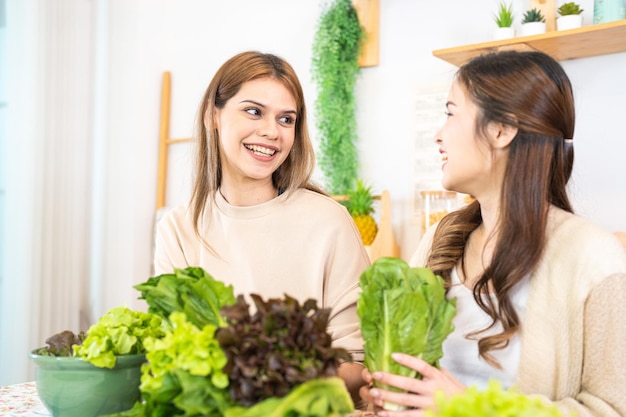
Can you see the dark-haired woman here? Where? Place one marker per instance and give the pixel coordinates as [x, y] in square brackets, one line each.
[539, 290]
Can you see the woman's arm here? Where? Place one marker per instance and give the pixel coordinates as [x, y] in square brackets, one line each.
[603, 391]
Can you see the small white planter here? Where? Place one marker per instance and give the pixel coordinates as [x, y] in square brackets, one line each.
[533, 28]
[570, 21]
[503, 33]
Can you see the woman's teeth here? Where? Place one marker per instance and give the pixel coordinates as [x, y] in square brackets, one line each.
[260, 150]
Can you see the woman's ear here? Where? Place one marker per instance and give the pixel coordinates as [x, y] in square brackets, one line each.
[212, 117]
[501, 135]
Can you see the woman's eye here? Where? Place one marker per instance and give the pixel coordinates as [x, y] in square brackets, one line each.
[287, 120]
[447, 113]
[253, 111]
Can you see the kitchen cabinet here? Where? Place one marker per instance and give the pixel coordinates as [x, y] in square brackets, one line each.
[587, 41]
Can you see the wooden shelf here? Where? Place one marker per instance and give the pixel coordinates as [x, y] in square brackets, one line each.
[591, 40]
[369, 16]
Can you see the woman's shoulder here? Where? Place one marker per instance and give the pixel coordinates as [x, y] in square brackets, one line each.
[576, 242]
[318, 201]
[579, 231]
[320, 209]
[173, 214]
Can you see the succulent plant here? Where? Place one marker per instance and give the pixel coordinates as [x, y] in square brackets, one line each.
[504, 17]
[533, 15]
[569, 8]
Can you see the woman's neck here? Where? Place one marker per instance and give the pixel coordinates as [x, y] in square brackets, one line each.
[247, 195]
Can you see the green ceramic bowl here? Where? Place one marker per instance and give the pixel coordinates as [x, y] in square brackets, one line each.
[71, 387]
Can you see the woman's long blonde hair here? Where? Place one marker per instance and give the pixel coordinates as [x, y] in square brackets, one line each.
[297, 169]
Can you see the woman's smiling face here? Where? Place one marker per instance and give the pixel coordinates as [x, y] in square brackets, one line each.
[467, 163]
[256, 130]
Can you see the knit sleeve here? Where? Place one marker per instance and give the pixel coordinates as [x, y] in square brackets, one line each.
[341, 283]
[168, 250]
[604, 357]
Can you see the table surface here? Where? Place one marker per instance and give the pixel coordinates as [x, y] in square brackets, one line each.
[23, 400]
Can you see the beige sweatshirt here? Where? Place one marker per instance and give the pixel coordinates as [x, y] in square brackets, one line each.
[302, 244]
[574, 329]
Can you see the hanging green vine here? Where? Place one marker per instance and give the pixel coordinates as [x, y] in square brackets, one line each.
[335, 66]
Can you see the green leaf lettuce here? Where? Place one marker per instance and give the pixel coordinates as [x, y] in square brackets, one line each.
[402, 309]
[320, 397]
[493, 401]
[192, 291]
[120, 331]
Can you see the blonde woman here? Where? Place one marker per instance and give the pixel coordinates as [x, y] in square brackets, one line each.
[255, 219]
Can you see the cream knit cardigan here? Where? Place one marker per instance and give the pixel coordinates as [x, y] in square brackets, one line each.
[574, 329]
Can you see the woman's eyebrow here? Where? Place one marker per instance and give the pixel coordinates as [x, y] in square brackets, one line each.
[290, 111]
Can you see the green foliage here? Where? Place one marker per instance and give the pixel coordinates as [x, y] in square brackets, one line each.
[281, 354]
[336, 49]
[192, 291]
[494, 401]
[533, 15]
[218, 358]
[184, 371]
[569, 8]
[321, 397]
[120, 331]
[504, 17]
[402, 309]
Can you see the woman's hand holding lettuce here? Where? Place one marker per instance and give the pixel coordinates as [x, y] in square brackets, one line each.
[402, 309]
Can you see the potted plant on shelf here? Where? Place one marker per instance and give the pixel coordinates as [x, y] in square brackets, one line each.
[504, 21]
[533, 23]
[570, 16]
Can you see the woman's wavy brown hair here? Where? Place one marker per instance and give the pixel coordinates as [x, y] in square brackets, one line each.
[530, 91]
[297, 169]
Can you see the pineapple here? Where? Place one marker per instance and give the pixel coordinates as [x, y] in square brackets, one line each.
[360, 205]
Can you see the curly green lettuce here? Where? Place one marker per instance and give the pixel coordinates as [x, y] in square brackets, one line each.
[184, 373]
[120, 331]
[493, 401]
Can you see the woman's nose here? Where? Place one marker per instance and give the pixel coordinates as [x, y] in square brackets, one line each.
[438, 137]
[269, 129]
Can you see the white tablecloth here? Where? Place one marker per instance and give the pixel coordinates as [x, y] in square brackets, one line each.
[21, 400]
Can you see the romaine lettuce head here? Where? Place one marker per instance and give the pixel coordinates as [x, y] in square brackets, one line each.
[402, 309]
